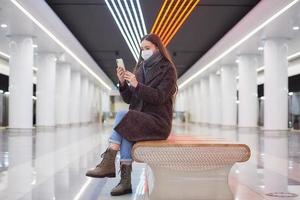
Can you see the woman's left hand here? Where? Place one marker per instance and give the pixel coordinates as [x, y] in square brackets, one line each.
[130, 77]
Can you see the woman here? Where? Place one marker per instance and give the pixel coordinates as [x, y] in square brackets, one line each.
[151, 93]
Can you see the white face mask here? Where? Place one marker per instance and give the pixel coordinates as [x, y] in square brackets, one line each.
[146, 54]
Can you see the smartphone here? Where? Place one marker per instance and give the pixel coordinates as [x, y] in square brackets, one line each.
[120, 63]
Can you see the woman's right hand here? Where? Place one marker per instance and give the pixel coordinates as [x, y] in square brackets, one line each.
[120, 74]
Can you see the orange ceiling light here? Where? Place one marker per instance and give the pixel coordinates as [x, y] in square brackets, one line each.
[169, 17]
[175, 17]
[167, 29]
[158, 17]
[170, 36]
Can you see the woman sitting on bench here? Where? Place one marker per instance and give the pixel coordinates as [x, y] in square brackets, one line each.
[151, 92]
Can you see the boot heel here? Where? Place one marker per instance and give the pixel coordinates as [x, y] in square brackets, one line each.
[119, 193]
[111, 175]
[128, 191]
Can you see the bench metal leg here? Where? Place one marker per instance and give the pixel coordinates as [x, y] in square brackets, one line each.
[164, 183]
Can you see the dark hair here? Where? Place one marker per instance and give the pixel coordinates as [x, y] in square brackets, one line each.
[155, 39]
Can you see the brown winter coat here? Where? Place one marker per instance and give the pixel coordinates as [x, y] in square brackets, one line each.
[151, 107]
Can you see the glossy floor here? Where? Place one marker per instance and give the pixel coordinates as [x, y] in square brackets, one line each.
[50, 165]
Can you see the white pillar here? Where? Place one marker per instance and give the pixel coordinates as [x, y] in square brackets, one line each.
[75, 97]
[45, 89]
[214, 99]
[248, 101]
[20, 82]
[180, 100]
[184, 100]
[190, 106]
[105, 102]
[228, 96]
[177, 102]
[198, 102]
[194, 102]
[205, 100]
[63, 81]
[276, 84]
[90, 101]
[83, 99]
[97, 102]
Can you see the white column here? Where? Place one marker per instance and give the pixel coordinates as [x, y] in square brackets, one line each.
[105, 102]
[189, 105]
[90, 101]
[20, 82]
[83, 100]
[228, 96]
[184, 100]
[75, 97]
[205, 100]
[248, 101]
[198, 102]
[45, 89]
[194, 102]
[63, 81]
[98, 102]
[214, 99]
[276, 85]
[179, 102]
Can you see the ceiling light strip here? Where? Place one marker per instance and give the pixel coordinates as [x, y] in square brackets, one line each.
[294, 56]
[230, 49]
[51, 35]
[171, 24]
[141, 16]
[189, 8]
[6, 56]
[289, 58]
[129, 27]
[136, 18]
[164, 17]
[158, 17]
[179, 26]
[132, 21]
[129, 44]
[169, 17]
[124, 26]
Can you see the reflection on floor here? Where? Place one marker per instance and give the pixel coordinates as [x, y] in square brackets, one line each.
[50, 165]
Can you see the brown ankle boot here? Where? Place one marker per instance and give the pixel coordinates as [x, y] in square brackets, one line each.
[124, 186]
[107, 166]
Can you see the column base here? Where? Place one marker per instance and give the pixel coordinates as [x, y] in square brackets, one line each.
[214, 125]
[75, 124]
[45, 128]
[170, 184]
[21, 130]
[204, 124]
[62, 126]
[268, 129]
[229, 127]
[248, 128]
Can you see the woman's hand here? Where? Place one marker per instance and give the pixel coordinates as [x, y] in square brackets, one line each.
[121, 74]
[130, 77]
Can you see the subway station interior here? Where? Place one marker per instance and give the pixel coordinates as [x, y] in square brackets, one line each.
[235, 118]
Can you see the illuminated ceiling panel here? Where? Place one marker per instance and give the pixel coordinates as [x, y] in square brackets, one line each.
[130, 21]
[171, 17]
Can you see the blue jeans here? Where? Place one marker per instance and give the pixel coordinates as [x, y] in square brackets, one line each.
[116, 138]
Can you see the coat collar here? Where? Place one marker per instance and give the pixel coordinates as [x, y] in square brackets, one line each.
[151, 74]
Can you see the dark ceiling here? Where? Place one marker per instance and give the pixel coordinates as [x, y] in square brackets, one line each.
[92, 24]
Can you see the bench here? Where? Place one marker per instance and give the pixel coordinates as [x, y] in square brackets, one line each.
[189, 167]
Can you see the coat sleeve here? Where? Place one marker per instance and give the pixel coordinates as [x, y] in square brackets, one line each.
[161, 93]
[125, 92]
